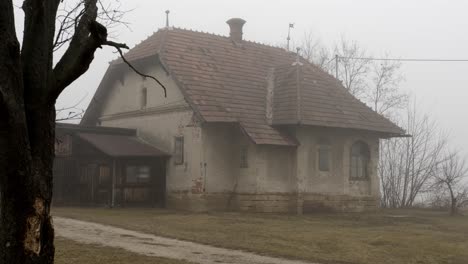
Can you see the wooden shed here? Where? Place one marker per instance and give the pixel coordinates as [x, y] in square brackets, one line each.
[107, 166]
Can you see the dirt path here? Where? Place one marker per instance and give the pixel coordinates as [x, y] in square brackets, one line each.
[151, 245]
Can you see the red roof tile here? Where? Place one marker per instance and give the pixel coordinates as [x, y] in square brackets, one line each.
[226, 82]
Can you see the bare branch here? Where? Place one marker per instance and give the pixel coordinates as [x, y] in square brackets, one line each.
[119, 49]
[110, 15]
[383, 92]
[352, 73]
[408, 164]
[450, 177]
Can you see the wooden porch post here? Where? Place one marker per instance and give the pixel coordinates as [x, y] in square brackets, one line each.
[114, 171]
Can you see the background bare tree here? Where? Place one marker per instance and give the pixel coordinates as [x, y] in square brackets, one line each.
[450, 179]
[383, 92]
[353, 66]
[314, 51]
[407, 165]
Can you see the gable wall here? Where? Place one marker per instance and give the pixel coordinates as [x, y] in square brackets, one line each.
[125, 94]
[158, 123]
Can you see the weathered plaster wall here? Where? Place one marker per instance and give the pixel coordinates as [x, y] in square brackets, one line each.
[277, 179]
[334, 189]
[275, 169]
[335, 181]
[158, 122]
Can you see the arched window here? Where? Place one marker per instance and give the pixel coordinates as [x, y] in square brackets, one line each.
[324, 155]
[360, 156]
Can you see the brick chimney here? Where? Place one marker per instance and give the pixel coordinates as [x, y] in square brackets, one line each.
[236, 25]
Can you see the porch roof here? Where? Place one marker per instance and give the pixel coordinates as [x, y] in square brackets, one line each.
[121, 145]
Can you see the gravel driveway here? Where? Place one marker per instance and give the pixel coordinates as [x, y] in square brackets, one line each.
[151, 245]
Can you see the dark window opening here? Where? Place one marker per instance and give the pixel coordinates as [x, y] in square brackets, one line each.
[244, 152]
[137, 174]
[324, 158]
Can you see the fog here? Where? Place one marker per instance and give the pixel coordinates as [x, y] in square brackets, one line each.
[404, 29]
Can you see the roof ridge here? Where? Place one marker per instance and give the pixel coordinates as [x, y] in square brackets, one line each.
[227, 37]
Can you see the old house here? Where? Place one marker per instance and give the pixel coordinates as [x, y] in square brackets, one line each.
[248, 126]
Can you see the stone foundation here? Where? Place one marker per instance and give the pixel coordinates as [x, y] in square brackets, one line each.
[338, 203]
[270, 202]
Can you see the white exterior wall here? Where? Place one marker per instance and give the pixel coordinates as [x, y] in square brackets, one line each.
[212, 152]
[222, 145]
[158, 123]
[336, 181]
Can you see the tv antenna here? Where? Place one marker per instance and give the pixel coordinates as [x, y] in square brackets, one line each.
[291, 25]
[167, 18]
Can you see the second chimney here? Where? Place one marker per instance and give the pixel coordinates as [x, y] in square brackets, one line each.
[236, 25]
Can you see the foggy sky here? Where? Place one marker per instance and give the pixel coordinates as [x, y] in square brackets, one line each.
[405, 29]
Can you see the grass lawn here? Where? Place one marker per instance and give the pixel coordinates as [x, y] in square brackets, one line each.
[69, 252]
[380, 238]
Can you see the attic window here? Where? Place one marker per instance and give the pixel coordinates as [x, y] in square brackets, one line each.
[179, 150]
[143, 97]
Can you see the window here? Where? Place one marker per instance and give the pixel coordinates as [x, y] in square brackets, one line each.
[244, 151]
[360, 156]
[137, 174]
[144, 97]
[179, 150]
[324, 155]
[324, 158]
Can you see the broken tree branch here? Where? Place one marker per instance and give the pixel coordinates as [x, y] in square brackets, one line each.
[119, 47]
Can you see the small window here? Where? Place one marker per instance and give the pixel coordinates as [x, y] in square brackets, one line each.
[144, 97]
[137, 174]
[324, 158]
[324, 155]
[360, 156]
[179, 150]
[244, 152]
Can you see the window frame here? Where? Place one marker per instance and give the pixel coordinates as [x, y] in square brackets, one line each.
[179, 150]
[359, 161]
[138, 166]
[324, 145]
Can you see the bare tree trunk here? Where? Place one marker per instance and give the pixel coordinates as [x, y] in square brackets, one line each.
[29, 87]
[453, 200]
[26, 156]
[26, 229]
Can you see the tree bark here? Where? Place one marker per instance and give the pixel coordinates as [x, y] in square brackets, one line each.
[453, 200]
[26, 139]
[29, 86]
[26, 192]
[26, 158]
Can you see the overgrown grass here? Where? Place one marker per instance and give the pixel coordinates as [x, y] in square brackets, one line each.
[385, 237]
[69, 252]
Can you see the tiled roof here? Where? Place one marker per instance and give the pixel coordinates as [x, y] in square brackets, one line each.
[226, 82]
[112, 141]
[121, 145]
[303, 94]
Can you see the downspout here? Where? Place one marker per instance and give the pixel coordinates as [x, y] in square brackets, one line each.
[299, 198]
